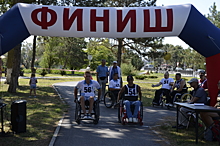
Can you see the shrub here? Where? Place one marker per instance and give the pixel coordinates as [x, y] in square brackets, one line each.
[127, 69]
[62, 72]
[43, 73]
[140, 77]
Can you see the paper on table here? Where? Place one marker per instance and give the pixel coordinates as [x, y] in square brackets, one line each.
[198, 103]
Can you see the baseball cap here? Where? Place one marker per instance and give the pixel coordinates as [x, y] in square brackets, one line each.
[193, 80]
[129, 78]
[114, 62]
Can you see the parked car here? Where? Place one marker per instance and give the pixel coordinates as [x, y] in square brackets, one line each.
[189, 69]
[178, 68]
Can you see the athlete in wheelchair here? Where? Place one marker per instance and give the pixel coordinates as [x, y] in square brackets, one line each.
[131, 109]
[87, 106]
[176, 95]
[110, 96]
[167, 84]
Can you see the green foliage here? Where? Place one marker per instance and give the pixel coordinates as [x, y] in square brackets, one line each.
[137, 62]
[62, 72]
[43, 73]
[127, 69]
[214, 15]
[140, 77]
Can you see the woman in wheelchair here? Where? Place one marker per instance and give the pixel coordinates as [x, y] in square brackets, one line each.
[131, 92]
[87, 88]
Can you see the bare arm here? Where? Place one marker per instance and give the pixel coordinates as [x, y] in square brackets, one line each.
[156, 84]
[140, 93]
[183, 82]
[120, 92]
[75, 93]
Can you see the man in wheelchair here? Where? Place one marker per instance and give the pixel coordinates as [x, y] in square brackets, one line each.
[131, 92]
[115, 85]
[167, 84]
[180, 86]
[87, 88]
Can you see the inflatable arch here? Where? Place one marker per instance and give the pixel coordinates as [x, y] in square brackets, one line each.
[183, 21]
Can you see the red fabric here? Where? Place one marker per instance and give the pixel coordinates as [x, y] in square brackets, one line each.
[213, 76]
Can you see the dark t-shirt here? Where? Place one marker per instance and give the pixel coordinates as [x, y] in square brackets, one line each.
[201, 94]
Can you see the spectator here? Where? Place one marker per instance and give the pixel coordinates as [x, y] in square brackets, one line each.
[114, 69]
[199, 96]
[179, 85]
[166, 83]
[102, 77]
[33, 84]
[203, 81]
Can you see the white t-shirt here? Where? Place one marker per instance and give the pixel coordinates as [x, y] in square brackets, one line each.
[115, 84]
[166, 83]
[88, 89]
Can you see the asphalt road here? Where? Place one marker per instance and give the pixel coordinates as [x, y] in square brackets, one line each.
[108, 131]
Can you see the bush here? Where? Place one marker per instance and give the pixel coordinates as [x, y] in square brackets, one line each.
[127, 69]
[140, 77]
[62, 72]
[152, 76]
[43, 73]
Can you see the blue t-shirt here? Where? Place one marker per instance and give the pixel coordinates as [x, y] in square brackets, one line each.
[102, 71]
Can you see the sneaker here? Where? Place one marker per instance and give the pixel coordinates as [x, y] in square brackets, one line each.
[154, 103]
[84, 117]
[89, 116]
[170, 104]
[130, 120]
[167, 104]
[135, 120]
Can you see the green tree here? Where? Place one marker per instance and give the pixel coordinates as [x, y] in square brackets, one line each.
[26, 55]
[214, 15]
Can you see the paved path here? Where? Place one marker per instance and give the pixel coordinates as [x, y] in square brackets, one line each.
[108, 131]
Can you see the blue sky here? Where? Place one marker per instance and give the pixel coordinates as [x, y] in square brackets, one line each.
[201, 5]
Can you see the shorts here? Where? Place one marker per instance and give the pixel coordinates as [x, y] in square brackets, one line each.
[33, 86]
[86, 98]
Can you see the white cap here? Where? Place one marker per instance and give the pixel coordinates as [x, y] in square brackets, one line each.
[114, 62]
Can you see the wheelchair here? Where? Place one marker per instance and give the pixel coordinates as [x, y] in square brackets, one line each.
[109, 98]
[161, 100]
[95, 112]
[122, 116]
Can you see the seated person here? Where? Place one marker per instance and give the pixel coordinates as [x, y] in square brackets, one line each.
[131, 92]
[207, 116]
[199, 96]
[166, 83]
[114, 85]
[180, 85]
[87, 88]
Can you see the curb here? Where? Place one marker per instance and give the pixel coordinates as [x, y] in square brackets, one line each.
[60, 122]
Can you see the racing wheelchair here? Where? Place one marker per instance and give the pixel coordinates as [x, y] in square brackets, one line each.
[122, 116]
[95, 112]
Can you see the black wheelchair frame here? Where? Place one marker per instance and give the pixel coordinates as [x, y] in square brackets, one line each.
[109, 98]
[95, 112]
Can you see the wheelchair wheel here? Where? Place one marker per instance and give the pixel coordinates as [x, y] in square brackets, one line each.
[109, 99]
[77, 113]
[140, 119]
[97, 113]
[185, 97]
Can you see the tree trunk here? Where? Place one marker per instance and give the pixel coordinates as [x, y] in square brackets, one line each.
[34, 54]
[9, 65]
[120, 45]
[15, 69]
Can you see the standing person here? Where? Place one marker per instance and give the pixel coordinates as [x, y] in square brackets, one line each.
[114, 69]
[102, 77]
[167, 84]
[179, 85]
[87, 88]
[203, 81]
[33, 84]
[131, 92]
